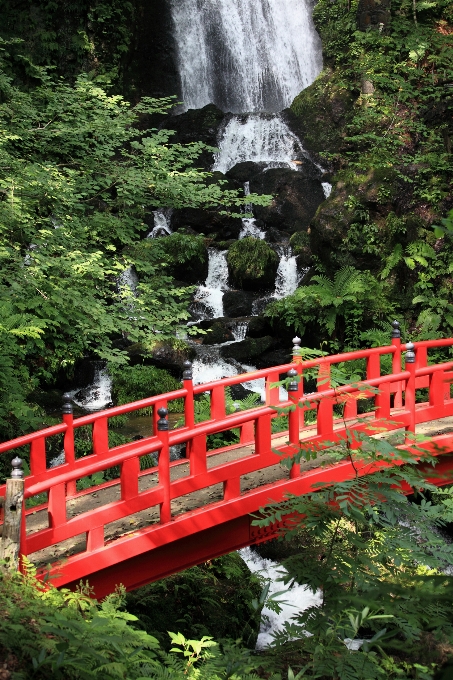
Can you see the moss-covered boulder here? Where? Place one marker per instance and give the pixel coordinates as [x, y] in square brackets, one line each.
[319, 113]
[187, 254]
[168, 354]
[252, 264]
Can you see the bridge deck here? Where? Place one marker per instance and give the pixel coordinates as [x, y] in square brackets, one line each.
[38, 520]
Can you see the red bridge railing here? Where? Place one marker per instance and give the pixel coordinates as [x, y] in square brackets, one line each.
[391, 392]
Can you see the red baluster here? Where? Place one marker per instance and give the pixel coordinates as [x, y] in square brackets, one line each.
[130, 470]
[38, 456]
[100, 436]
[197, 455]
[57, 505]
[218, 408]
[325, 405]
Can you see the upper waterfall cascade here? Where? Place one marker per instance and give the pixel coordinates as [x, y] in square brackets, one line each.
[245, 55]
[260, 138]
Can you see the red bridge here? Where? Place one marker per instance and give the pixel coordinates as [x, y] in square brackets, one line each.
[151, 520]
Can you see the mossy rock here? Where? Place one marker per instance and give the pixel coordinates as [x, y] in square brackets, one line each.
[252, 264]
[167, 354]
[319, 114]
[212, 599]
[188, 255]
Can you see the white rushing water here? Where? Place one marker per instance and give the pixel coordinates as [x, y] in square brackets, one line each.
[208, 301]
[260, 138]
[288, 277]
[245, 55]
[296, 600]
[96, 396]
[161, 225]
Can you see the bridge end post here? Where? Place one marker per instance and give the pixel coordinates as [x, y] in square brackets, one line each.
[14, 517]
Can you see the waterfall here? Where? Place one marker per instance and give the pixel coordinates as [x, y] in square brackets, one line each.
[245, 55]
[96, 396]
[208, 301]
[161, 225]
[249, 227]
[287, 278]
[260, 138]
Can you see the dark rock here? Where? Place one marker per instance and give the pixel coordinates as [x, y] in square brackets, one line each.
[258, 326]
[276, 357]
[150, 67]
[197, 125]
[373, 14]
[218, 331]
[296, 198]
[84, 372]
[276, 236]
[243, 172]
[238, 303]
[247, 349]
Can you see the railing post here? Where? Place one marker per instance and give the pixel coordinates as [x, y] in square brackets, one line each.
[396, 363]
[293, 418]
[409, 400]
[14, 516]
[164, 465]
[189, 408]
[297, 359]
[68, 443]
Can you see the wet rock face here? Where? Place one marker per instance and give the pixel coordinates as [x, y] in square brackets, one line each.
[212, 222]
[197, 125]
[151, 69]
[244, 172]
[237, 303]
[218, 331]
[247, 349]
[297, 196]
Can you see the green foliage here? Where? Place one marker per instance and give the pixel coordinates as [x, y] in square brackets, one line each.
[77, 178]
[132, 383]
[341, 307]
[46, 632]
[213, 599]
[376, 559]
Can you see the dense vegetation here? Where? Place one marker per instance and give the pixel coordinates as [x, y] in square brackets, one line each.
[390, 154]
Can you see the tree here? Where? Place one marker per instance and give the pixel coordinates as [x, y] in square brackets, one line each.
[78, 180]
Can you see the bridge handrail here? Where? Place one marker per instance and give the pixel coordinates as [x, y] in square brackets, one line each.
[119, 454]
